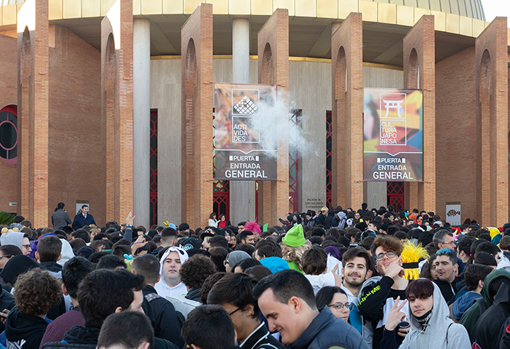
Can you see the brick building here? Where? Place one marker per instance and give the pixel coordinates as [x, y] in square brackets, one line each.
[97, 106]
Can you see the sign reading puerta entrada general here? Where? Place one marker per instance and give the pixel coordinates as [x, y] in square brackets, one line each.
[393, 135]
[244, 126]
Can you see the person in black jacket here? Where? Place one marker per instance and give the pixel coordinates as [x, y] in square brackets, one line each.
[166, 321]
[234, 293]
[209, 327]
[379, 294]
[328, 220]
[83, 218]
[35, 293]
[125, 330]
[193, 274]
[447, 268]
[320, 219]
[487, 329]
[101, 293]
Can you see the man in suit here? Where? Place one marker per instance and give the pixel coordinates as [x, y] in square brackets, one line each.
[84, 218]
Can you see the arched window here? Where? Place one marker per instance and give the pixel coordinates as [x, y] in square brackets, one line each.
[9, 135]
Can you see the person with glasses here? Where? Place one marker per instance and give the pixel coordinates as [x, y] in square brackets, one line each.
[6, 253]
[336, 300]
[234, 293]
[379, 294]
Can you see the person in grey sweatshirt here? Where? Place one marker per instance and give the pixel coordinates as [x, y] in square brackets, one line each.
[430, 326]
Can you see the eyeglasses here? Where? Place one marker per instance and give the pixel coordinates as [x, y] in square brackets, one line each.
[225, 262]
[339, 306]
[230, 314]
[26, 246]
[7, 255]
[391, 254]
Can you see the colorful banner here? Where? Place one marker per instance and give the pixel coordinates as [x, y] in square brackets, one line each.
[243, 122]
[392, 135]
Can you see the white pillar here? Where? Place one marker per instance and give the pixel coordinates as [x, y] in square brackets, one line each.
[242, 193]
[141, 121]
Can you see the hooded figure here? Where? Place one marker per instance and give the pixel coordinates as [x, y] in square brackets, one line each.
[275, 264]
[342, 219]
[434, 330]
[164, 289]
[12, 237]
[67, 252]
[472, 315]
[486, 331]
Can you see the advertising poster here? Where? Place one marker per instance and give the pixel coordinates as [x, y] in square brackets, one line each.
[244, 126]
[392, 135]
[453, 213]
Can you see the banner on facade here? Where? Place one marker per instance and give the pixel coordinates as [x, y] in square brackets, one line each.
[453, 213]
[392, 135]
[244, 124]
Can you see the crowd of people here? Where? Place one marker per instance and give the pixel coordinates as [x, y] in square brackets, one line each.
[341, 278]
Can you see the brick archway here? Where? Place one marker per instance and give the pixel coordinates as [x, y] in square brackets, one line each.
[196, 121]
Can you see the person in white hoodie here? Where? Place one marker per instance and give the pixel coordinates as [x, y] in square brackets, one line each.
[170, 284]
[430, 325]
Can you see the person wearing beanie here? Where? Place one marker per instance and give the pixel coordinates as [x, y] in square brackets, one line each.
[294, 245]
[12, 237]
[233, 258]
[16, 266]
[170, 284]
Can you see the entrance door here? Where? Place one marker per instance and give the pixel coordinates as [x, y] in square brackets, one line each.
[395, 194]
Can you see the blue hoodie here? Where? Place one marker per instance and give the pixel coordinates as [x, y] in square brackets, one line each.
[464, 303]
[275, 264]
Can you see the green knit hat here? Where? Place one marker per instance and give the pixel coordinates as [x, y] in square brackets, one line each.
[295, 237]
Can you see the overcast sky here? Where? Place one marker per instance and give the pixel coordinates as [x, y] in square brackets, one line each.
[495, 8]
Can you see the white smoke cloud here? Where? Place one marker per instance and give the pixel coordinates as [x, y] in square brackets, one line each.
[271, 131]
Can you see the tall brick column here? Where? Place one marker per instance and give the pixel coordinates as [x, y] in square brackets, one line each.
[347, 99]
[33, 94]
[419, 73]
[492, 123]
[197, 123]
[273, 69]
[117, 108]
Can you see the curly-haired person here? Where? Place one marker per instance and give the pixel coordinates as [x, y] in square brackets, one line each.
[294, 245]
[193, 274]
[35, 292]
